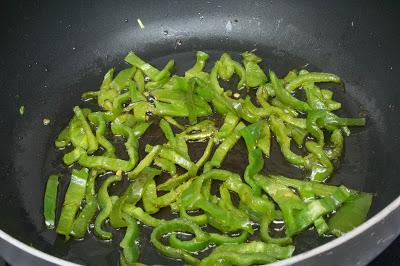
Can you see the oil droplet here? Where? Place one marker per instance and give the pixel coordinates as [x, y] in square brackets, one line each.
[178, 42]
[74, 48]
[46, 69]
[165, 32]
[126, 20]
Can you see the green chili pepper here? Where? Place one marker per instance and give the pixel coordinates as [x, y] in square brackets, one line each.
[142, 216]
[81, 223]
[337, 142]
[98, 119]
[139, 80]
[351, 214]
[179, 224]
[197, 69]
[321, 168]
[130, 249]
[247, 254]
[254, 74]
[145, 162]
[105, 205]
[266, 237]
[311, 77]
[73, 198]
[63, 139]
[165, 72]
[250, 135]
[228, 66]
[123, 78]
[284, 95]
[146, 68]
[50, 201]
[91, 139]
[286, 109]
[281, 133]
[165, 165]
[230, 122]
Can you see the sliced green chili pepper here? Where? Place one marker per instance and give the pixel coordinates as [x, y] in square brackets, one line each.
[81, 223]
[351, 214]
[145, 162]
[311, 77]
[281, 133]
[105, 205]
[254, 74]
[123, 78]
[98, 119]
[285, 97]
[146, 68]
[197, 69]
[73, 198]
[337, 142]
[92, 141]
[142, 216]
[50, 201]
[130, 249]
[321, 168]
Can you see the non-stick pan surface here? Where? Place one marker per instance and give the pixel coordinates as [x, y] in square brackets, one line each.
[50, 52]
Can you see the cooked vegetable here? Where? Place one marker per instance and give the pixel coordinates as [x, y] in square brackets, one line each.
[197, 190]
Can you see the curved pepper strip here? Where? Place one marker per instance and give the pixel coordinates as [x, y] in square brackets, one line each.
[73, 198]
[250, 135]
[254, 252]
[145, 162]
[146, 68]
[262, 97]
[91, 139]
[130, 249]
[77, 134]
[318, 208]
[228, 67]
[73, 156]
[230, 122]
[139, 80]
[285, 97]
[50, 201]
[97, 118]
[63, 139]
[286, 109]
[81, 223]
[313, 77]
[197, 69]
[105, 205]
[176, 225]
[177, 180]
[264, 141]
[142, 216]
[266, 237]
[106, 95]
[281, 133]
[165, 165]
[287, 200]
[317, 101]
[218, 217]
[132, 145]
[123, 78]
[298, 134]
[150, 196]
[337, 142]
[320, 165]
[255, 76]
[131, 196]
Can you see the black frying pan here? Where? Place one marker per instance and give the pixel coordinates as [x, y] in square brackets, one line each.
[51, 51]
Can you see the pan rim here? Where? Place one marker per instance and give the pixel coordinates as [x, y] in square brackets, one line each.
[290, 261]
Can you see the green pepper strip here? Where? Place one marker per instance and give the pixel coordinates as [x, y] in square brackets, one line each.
[230, 122]
[176, 180]
[145, 162]
[262, 96]
[73, 156]
[63, 139]
[337, 141]
[197, 69]
[92, 141]
[81, 223]
[139, 80]
[321, 169]
[286, 109]
[165, 165]
[97, 118]
[73, 198]
[142, 216]
[105, 93]
[178, 224]
[286, 199]
[281, 133]
[285, 97]
[254, 252]
[131, 145]
[50, 201]
[147, 69]
[150, 197]
[351, 214]
[166, 71]
[130, 249]
[223, 149]
[311, 77]
[105, 205]
[228, 66]
[318, 208]
[266, 237]
[178, 159]
[264, 141]
[254, 74]
[131, 196]
[250, 135]
[123, 78]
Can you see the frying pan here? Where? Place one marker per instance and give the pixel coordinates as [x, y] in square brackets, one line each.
[52, 51]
